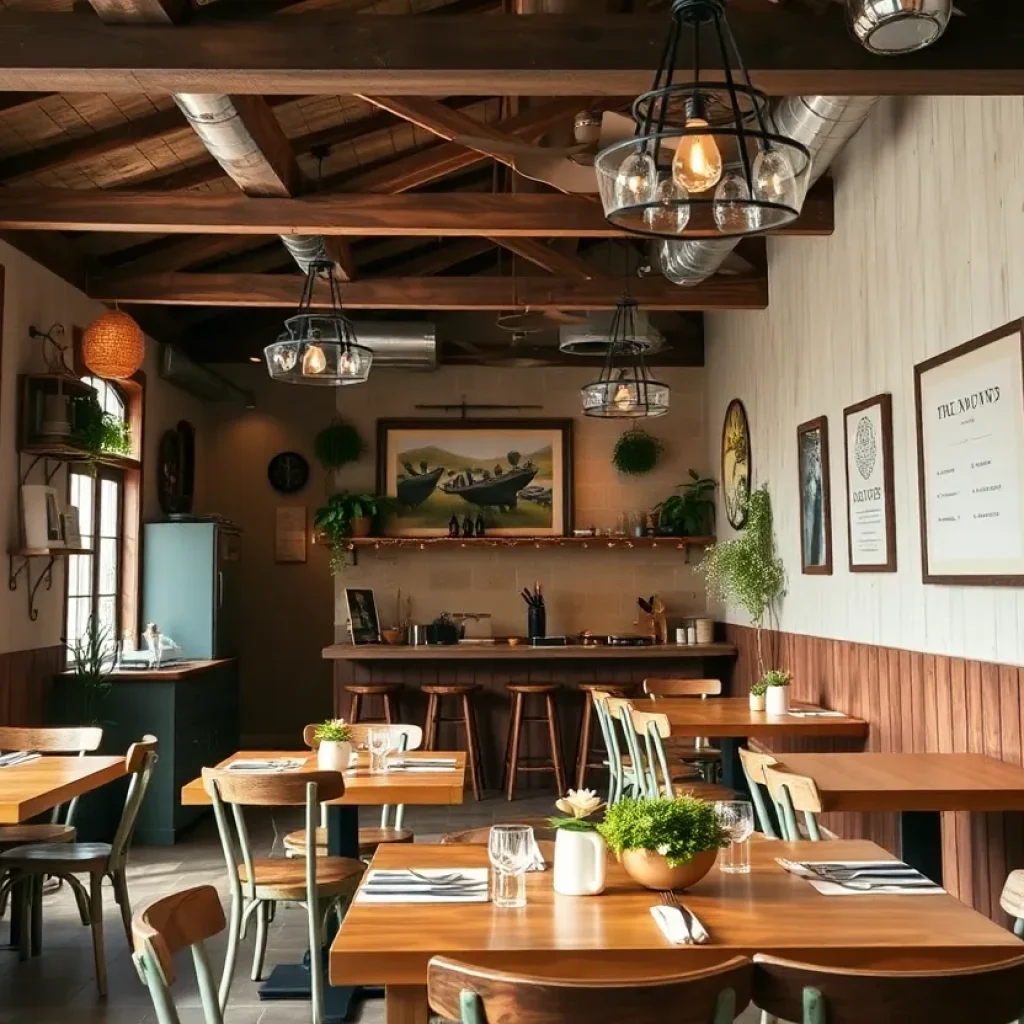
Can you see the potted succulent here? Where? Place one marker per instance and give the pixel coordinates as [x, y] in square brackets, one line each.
[691, 513]
[334, 745]
[757, 695]
[776, 684]
[580, 851]
[663, 842]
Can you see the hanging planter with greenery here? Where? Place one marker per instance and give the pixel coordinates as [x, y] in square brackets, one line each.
[636, 452]
[338, 444]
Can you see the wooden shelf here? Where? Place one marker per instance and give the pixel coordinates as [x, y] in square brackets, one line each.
[69, 453]
[47, 552]
[596, 543]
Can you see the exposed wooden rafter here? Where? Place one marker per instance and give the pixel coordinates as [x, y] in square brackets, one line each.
[16, 100]
[444, 257]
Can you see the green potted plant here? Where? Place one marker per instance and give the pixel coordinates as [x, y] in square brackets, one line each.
[748, 570]
[757, 695]
[349, 515]
[334, 749]
[92, 661]
[580, 851]
[662, 842]
[691, 513]
[97, 432]
[636, 452]
[776, 683]
[338, 444]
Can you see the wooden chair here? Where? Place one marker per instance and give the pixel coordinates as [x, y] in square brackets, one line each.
[165, 928]
[646, 732]
[584, 757]
[30, 864]
[481, 995]
[258, 883]
[697, 752]
[754, 763]
[1012, 900]
[791, 794]
[993, 994]
[404, 737]
[542, 832]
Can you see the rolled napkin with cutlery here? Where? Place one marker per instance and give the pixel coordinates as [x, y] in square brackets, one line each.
[429, 885]
[862, 877]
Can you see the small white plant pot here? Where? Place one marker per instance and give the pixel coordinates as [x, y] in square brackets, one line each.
[579, 863]
[332, 756]
[777, 700]
[757, 702]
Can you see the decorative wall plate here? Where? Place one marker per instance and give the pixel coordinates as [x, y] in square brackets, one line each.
[736, 464]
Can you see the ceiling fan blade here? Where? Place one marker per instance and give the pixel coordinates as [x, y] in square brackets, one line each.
[513, 147]
[561, 173]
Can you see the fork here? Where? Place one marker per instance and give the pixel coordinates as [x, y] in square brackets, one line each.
[447, 879]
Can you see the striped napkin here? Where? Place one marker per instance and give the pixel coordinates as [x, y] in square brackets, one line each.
[17, 757]
[405, 887]
[906, 881]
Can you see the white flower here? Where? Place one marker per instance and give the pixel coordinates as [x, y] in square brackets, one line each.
[663, 849]
[579, 803]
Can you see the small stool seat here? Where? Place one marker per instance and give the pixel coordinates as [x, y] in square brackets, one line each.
[514, 762]
[463, 692]
[585, 757]
[387, 693]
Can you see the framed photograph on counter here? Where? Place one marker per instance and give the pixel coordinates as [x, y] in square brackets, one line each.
[515, 474]
[870, 501]
[363, 623]
[970, 460]
[815, 497]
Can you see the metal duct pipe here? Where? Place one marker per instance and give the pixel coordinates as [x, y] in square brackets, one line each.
[824, 124]
[222, 130]
[890, 27]
[405, 345]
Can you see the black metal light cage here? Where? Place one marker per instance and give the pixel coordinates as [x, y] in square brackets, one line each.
[625, 388]
[740, 122]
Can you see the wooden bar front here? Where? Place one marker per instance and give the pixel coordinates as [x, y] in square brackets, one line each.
[492, 666]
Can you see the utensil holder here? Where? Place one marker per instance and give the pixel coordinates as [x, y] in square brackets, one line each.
[536, 622]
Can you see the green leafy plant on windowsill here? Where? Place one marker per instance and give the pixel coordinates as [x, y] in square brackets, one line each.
[334, 730]
[92, 660]
[679, 829]
[97, 432]
[691, 513]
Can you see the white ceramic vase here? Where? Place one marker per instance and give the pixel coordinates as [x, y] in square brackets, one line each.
[333, 756]
[757, 702]
[579, 863]
[777, 700]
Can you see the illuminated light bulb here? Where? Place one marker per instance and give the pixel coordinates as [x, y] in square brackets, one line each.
[348, 365]
[623, 397]
[673, 213]
[285, 359]
[314, 361]
[697, 165]
[733, 214]
[774, 178]
[635, 181]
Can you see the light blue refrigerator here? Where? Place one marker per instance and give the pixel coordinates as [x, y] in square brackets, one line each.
[191, 586]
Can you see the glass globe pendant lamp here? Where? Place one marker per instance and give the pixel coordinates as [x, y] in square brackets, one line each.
[318, 348]
[707, 158]
[625, 388]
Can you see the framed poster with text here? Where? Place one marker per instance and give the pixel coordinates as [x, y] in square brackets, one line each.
[870, 502]
[970, 456]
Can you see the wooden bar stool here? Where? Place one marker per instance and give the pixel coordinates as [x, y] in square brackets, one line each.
[436, 693]
[388, 693]
[517, 719]
[583, 754]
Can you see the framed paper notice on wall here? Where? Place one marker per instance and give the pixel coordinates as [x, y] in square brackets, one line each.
[290, 533]
[870, 504]
[970, 453]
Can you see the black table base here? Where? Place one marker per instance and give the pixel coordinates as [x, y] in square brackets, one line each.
[921, 842]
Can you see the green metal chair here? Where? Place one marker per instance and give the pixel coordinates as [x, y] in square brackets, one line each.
[791, 794]
[1012, 900]
[165, 928]
[622, 780]
[754, 764]
[257, 884]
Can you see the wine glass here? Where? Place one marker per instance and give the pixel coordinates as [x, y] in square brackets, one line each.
[510, 848]
[736, 818]
[379, 743]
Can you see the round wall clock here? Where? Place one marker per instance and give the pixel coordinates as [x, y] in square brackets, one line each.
[288, 472]
[736, 464]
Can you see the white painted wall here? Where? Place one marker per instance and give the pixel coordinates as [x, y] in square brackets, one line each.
[928, 253]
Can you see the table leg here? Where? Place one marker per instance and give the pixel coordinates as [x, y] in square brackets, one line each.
[405, 1004]
[291, 981]
[921, 842]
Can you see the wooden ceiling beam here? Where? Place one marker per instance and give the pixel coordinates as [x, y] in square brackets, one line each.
[544, 256]
[16, 100]
[183, 252]
[547, 55]
[442, 258]
[459, 214]
[282, 290]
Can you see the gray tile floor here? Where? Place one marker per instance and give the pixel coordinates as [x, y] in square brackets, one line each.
[59, 985]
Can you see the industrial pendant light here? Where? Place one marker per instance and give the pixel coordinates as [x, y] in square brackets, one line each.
[707, 158]
[318, 348]
[625, 388]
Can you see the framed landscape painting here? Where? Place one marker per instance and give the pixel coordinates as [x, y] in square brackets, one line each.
[516, 474]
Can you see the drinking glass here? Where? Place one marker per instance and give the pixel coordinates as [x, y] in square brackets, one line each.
[378, 742]
[737, 820]
[511, 851]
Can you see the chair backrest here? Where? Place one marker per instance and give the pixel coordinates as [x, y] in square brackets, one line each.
[792, 793]
[610, 735]
[479, 995]
[993, 994]
[754, 763]
[139, 762]
[183, 920]
[542, 832]
[682, 687]
[648, 730]
[1012, 900]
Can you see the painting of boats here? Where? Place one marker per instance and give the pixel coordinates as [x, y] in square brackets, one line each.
[516, 474]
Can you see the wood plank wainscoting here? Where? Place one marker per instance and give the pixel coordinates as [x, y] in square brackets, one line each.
[26, 678]
[914, 702]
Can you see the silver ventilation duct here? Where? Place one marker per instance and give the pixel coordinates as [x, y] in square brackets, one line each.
[889, 27]
[222, 130]
[825, 124]
[404, 345]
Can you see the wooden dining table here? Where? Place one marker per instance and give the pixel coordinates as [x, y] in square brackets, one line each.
[614, 936]
[918, 786]
[46, 782]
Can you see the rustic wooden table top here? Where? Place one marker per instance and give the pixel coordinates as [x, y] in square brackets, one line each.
[912, 782]
[33, 787]
[362, 788]
[614, 935]
[732, 717]
[522, 652]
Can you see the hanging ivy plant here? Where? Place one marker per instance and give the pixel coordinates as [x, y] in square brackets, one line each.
[636, 452]
[338, 444]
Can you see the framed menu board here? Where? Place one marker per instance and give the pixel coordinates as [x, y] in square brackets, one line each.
[870, 499]
[970, 453]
